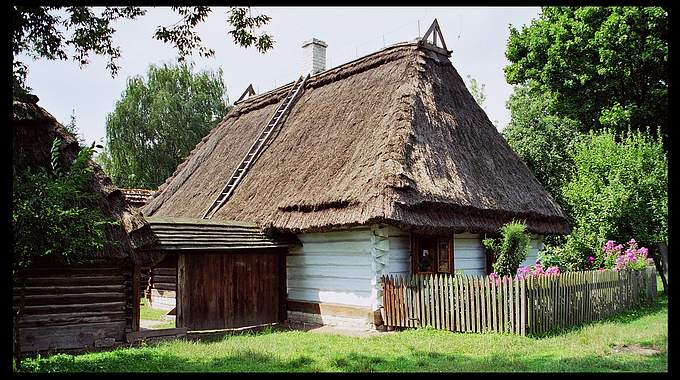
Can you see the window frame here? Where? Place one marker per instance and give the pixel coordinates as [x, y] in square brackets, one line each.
[416, 249]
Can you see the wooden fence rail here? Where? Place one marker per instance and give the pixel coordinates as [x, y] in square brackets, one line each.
[520, 306]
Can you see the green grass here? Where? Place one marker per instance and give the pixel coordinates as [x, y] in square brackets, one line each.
[584, 349]
[146, 312]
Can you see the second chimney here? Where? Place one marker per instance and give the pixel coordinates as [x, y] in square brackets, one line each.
[314, 56]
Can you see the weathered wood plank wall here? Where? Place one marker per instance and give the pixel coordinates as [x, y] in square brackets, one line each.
[229, 289]
[76, 308]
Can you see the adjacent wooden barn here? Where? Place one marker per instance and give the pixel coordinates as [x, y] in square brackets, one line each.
[383, 165]
[95, 303]
[229, 274]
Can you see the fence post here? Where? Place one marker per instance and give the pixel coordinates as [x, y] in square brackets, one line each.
[486, 303]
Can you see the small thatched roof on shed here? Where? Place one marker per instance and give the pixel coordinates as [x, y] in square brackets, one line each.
[33, 131]
[392, 137]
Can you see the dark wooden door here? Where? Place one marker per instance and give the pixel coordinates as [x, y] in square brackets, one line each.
[230, 289]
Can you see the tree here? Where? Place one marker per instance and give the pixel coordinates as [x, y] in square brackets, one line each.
[605, 67]
[158, 121]
[543, 140]
[476, 90]
[76, 32]
[72, 126]
[619, 191]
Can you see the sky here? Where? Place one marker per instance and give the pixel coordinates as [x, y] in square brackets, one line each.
[477, 36]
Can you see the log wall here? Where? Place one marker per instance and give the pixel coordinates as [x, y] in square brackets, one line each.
[163, 283]
[76, 308]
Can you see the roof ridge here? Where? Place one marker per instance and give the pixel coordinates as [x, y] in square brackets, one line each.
[319, 76]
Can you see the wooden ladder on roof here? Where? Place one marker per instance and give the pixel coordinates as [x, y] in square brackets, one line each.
[257, 147]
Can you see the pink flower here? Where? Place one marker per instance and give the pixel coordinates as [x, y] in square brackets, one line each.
[601, 269]
[538, 269]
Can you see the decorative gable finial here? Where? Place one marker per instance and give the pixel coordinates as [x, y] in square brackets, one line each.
[437, 37]
[250, 91]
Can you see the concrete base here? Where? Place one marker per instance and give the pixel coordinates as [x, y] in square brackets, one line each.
[296, 317]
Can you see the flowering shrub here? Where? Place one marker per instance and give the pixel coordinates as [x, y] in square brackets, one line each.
[531, 271]
[617, 258]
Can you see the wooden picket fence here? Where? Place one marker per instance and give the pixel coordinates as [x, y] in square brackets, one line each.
[527, 306]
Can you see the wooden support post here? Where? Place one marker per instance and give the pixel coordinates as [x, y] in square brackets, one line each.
[283, 291]
[136, 277]
[182, 296]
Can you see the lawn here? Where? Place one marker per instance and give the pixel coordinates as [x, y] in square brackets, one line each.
[590, 348]
[149, 314]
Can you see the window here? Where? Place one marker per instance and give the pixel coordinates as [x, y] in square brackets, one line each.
[432, 254]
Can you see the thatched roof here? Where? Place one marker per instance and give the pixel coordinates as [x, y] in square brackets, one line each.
[137, 197]
[392, 137]
[33, 131]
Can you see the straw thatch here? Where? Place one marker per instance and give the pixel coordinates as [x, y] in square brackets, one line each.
[137, 197]
[392, 137]
[34, 129]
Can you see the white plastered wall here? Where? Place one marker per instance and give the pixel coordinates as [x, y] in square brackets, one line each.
[344, 267]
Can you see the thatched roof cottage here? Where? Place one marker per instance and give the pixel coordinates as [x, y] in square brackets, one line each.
[383, 165]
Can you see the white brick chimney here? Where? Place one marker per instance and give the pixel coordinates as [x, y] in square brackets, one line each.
[314, 56]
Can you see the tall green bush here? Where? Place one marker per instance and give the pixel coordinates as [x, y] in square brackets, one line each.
[55, 213]
[510, 249]
[619, 192]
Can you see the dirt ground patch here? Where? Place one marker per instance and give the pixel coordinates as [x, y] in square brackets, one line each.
[636, 349]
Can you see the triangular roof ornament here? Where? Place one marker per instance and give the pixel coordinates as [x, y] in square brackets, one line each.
[250, 91]
[437, 37]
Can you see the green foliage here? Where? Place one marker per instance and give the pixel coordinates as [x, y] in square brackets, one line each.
[76, 32]
[543, 140]
[570, 253]
[620, 190]
[476, 90]
[72, 127]
[583, 69]
[244, 29]
[55, 214]
[601, 66]
[510, 249]
[158, 121]
[549, 256]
